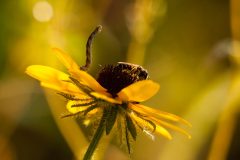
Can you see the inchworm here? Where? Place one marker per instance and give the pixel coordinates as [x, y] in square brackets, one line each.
[98, 29]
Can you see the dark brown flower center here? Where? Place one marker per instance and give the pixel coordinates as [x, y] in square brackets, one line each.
[116, 77]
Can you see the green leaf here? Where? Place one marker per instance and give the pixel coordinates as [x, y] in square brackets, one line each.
[127, 140]
[90, 109]
[84, 88]
[68, 96]
[84, 104]
[131, 127]
[111, 118]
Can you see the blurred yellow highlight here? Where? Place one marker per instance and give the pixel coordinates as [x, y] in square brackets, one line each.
[42, 11]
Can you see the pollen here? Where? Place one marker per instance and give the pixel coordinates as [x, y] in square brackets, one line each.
[116, 77]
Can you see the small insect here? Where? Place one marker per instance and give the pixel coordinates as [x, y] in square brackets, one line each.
[112, 100]
[143, 73]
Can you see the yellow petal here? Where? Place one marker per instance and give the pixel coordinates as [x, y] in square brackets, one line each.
[154, 112]
[67, 61]
[139, 91]
[45, 74]
[161, 130]
[66, 88]
[166, 124]
[88, 80]
[106, 98]
[140, 121]
[52, 78]
[78, 74]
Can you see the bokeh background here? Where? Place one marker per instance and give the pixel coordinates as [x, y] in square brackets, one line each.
[190, 47]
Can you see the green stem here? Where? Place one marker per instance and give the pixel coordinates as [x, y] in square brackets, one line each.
[96, 138]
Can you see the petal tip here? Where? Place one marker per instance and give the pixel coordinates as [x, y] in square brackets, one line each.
[186, 123]
[30, 70]
[170, 137]
[57, 51]
[27, 70]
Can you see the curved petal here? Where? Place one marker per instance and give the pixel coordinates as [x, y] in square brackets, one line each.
[67, 61]
[65, 87]
[139, 91]
[162, 131]
[88, 80]
[173, 127]
[45, 73]
[160, 124]
[75, 71]
[106, 98]
[160, 114]
[159, 129]
[52, 78]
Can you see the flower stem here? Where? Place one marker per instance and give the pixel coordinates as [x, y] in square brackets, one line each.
[96, 138]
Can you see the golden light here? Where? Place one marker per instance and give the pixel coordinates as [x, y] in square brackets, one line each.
[42, 11]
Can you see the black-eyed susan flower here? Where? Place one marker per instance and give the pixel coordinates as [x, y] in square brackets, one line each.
[114, 97]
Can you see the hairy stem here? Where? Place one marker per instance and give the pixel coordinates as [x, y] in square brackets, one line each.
[96, 138]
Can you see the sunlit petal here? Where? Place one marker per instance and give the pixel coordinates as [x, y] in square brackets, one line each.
[154, 112]
[173, 127]
[52, 78]
[88, 80]
[67, 61]
[75, 71]
[45, 74]
[159, 129]
[146, 127]
[104, 97]
[63, 87]
[162, 131]
[139, 91]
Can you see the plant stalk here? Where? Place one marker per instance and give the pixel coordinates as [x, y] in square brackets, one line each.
[97, 136]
